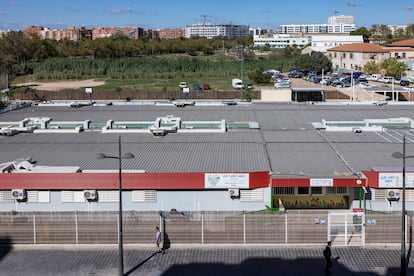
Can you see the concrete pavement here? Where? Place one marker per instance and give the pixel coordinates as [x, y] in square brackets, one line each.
[194, 260]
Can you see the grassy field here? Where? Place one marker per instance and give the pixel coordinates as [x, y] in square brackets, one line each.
[158, 73]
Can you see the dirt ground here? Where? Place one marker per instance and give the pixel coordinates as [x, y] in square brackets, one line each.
[61, 85]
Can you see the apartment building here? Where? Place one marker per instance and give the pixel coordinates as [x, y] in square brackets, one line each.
[102, 32]
[33, 31]
[336, 25]
[171, 33]
[70, 33]
[214, 30]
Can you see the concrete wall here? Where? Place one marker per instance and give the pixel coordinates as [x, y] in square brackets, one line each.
[277, 95]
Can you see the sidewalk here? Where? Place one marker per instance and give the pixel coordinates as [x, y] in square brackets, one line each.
[194, 260]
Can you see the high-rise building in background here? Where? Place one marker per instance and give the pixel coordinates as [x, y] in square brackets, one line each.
[336, 25]
[215, 30]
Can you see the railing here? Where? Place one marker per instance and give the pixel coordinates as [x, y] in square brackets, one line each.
[186, 227]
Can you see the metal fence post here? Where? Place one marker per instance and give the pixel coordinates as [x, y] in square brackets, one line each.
[286, 228]
[76, 228]
[119, 229]
[202, 227]
[34, 229]
[244, 226]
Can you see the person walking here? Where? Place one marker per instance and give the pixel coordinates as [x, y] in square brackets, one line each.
[327, 255]
[158, 239]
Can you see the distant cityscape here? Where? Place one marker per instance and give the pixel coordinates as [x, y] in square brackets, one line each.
[336, 25]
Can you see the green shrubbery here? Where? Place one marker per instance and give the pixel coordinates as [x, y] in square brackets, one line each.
[147, 68]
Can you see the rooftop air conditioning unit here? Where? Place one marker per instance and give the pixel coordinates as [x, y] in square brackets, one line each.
[393, 195]
[234, 192]
[90, 195]
[19, 194]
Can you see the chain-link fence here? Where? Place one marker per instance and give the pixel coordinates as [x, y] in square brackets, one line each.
[187, 227]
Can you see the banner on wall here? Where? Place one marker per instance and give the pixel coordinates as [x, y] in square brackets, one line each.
[394, 180]
[312, 202]
[226, 180]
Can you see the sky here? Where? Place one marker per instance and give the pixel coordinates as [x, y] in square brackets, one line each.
[159, 14]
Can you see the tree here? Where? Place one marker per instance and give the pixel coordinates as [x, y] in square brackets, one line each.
[371, 67]
[362, 31]
[316, 61]
[394, 67]
[291, 51]
[258, 77]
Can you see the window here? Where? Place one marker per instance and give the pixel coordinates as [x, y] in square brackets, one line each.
[252, 195]
[336, 190]
[351, 55]
[316, 190]
[108, 196]
[284, 191]
[38, 196]
[72, 196]
[303, 190]
[144, 196]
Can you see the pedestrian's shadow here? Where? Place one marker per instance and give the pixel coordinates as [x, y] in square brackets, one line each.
[167, 243]
[140, 264]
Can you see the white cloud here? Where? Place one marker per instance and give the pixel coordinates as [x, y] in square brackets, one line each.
[119, 11]
[14, 4]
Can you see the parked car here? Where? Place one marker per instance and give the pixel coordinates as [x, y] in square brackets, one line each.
[365, 85]
[183, 84]
[295, 74]
[386, 79]
[277, 77]
[206, 86]
[404, 83]
[315, 79]
[282, 84]
[196, 86]
[285, 79]
[249, 85]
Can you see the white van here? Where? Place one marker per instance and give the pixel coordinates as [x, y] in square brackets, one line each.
[375, 77]
[386, 79]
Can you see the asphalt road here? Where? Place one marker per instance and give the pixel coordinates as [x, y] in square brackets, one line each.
[193, 260]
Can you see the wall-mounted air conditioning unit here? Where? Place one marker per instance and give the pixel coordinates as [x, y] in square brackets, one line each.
[90, 195]
[19, 194]
[393, 195]
[234, 192]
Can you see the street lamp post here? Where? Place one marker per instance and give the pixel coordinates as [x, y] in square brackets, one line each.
[127, 155]
[403, 269]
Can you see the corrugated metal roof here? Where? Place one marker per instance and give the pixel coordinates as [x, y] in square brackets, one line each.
[286, 143]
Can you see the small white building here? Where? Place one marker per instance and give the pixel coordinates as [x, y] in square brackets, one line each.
[281, 40]
[320, 43]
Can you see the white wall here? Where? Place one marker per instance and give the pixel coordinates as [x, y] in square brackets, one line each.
[206, 200]
[277, 95]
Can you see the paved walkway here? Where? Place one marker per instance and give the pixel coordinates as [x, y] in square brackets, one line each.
[210, 260]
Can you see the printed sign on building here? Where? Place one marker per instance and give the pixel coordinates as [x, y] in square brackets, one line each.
[319, 182]
[394, 180]
[226, 180]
